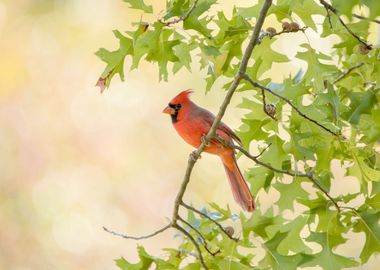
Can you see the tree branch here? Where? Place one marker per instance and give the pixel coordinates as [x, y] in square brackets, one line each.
[209, 218]
[365, 18]
[138, 237]
[294, 174]
[348, 71]
[272, 33]
[203, 240]
[335, 11]
[188, 235]
[255, 84]
[329, 17]
[182, 17]
[303, 29]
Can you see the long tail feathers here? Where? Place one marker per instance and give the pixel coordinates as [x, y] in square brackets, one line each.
[240, 189]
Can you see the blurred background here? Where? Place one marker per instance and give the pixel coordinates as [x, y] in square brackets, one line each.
[73, 160]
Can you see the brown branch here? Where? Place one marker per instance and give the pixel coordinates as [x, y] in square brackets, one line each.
[203, 240]
[370, 83]
[138, 237]
[288, 31]
[312, 179]
[209, 218]
[335, 11]
[329, 17]
[308, 175]
[348, 71]
[262, 151]
[189, 236]
[182, 17]
[365, 18]
[255, 84]
[272, 33]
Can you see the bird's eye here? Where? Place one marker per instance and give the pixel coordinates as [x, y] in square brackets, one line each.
[178, 106]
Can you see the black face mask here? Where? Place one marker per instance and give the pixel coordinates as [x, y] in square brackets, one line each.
[176, 108]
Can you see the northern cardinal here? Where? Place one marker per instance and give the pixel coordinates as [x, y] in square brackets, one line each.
[192, 124]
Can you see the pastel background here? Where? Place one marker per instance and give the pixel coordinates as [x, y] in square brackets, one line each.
[73, 160]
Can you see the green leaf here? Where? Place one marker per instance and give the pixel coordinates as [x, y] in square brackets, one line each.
[139, 4]
[289, 193]
[259, 177]
[305, 10]
[361, 103]
[293, 241]
[194, 21]
[316, 70]
[275, 260]
[115, 59]
[369, 224]
[267, 55]
[158, 46]
[258, 223]
[227, 263]
[145, 261]
[362, 171]
[326, 258]
[182, 52]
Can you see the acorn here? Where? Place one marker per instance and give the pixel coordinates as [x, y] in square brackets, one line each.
[286, 26]
[364, 49]
[143, 27]
[294, 26]
[229, 230]
[271, 31]
[270, 109]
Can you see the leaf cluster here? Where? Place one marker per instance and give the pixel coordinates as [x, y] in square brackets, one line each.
[301, 228]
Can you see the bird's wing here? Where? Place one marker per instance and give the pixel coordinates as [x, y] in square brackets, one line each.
[208, 117]
[230, 132]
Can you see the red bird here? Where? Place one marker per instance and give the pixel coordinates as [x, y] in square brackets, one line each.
[192, 124]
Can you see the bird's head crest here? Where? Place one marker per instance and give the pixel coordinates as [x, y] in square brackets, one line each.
[182, 97]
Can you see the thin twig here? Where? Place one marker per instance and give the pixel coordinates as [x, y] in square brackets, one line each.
[303, 29]
[255, 84]
[310, 176]
[365, 18]
[329, 17]
[182, 17]
[138, 237]
[335, 11]
[272, 34]
[209, 218]
[370, 83]
[203, 240]
[188, 235]
[348, 71]
[262, 151]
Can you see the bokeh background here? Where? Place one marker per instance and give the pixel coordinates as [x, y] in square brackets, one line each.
[73, 160]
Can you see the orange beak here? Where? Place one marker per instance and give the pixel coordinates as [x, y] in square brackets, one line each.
[169, 110]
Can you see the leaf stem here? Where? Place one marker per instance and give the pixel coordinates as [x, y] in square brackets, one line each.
[335, 11]
[138, 237]
[182, 17]
[348, 71]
